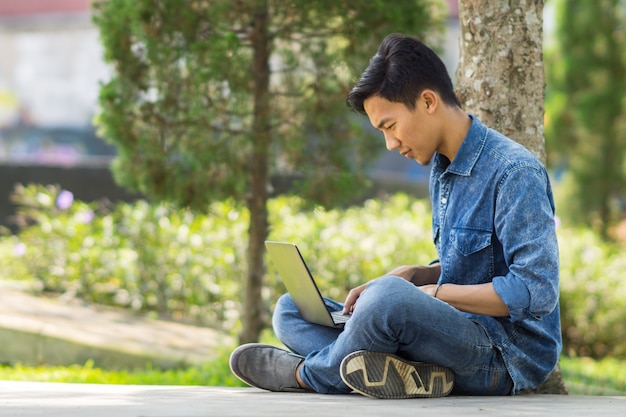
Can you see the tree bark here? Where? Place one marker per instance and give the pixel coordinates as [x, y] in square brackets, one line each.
[500, 76]
[500, 79]
[253, 314]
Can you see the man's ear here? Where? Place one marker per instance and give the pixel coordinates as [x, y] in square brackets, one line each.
[430, 99]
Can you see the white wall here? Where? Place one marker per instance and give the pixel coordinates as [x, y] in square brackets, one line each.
[50, 70]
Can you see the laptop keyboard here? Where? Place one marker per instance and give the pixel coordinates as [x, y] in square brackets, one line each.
[339, 317]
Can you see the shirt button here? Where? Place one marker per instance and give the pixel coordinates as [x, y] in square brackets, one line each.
[444, 200]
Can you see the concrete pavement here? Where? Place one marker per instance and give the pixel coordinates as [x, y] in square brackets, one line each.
[35, 399]
[64, 331]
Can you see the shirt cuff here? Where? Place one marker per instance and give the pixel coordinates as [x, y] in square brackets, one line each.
[515, 295]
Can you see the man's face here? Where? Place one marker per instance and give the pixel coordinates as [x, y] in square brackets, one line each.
[410, 132]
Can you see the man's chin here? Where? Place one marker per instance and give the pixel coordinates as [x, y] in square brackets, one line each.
[423, 162]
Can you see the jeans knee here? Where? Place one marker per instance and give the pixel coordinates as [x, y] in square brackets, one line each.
[388, 292]
[391, 297]
[284, 304]
[284, 307]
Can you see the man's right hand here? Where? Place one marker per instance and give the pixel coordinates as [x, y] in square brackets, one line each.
[353, 295]
[418, 274]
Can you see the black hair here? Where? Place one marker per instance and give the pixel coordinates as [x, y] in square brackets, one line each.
[402, 68]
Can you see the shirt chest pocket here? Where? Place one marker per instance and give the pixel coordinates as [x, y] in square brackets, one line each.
[469, 241]
[470, 255]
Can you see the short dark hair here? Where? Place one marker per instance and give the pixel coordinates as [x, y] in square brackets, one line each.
[402, 68]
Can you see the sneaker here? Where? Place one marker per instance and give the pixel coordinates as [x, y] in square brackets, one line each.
[383, 375]
[266, 367]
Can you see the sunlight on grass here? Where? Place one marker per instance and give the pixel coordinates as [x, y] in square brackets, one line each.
[216, 373]
[585, 376]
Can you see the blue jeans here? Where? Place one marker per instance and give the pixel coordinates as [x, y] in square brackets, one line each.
[394, 316]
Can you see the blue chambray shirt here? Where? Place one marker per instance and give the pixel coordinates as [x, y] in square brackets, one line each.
[493, 221]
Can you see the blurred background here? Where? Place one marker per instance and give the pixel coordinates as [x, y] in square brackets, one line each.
[50, 73]
[51, 64]
[49, 79]
[52, 67]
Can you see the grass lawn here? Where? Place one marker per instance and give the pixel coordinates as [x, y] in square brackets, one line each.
[215, 373]
[582, 376]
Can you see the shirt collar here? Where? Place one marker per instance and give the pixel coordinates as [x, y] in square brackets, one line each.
[469, 152]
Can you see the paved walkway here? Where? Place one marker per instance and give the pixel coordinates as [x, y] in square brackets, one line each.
[31, 399]
[58, 331]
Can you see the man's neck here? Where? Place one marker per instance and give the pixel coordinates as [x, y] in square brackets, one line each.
[457, 124]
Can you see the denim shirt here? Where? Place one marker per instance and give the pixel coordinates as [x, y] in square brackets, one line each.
[493, 221]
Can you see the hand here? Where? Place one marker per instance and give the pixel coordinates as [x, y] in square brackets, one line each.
[429, 289]
[353, 295]
[418, 274]
[404, 271]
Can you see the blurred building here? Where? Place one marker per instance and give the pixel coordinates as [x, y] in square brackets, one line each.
[51, 62]
[50, 71]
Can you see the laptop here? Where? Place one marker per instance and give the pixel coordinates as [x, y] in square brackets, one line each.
[300, 284]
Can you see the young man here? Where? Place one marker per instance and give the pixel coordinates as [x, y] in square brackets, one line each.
[482, 320]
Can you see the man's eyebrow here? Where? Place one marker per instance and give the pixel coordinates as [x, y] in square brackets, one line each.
[382, 123]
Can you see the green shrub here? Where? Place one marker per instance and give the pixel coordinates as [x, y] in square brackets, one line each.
[593, 295]
[150, 258]
[189, 266]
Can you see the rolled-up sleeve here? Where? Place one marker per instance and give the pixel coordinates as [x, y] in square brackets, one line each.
[525, 225]
[515, 295]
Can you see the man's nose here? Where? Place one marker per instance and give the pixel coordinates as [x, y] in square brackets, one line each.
[391, 142]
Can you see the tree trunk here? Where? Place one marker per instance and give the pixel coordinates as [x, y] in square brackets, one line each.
[253, 312]
[500, 76]
[500, 79]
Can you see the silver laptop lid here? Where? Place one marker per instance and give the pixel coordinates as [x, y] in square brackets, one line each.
[299, 282]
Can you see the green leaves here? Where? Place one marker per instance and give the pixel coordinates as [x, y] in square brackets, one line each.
[180, 106]
[585, 110]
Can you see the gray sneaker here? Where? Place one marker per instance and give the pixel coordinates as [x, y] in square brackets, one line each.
[383, 375]
[266, 367]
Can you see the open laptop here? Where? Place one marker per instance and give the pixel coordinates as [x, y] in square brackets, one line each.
[301, 286]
